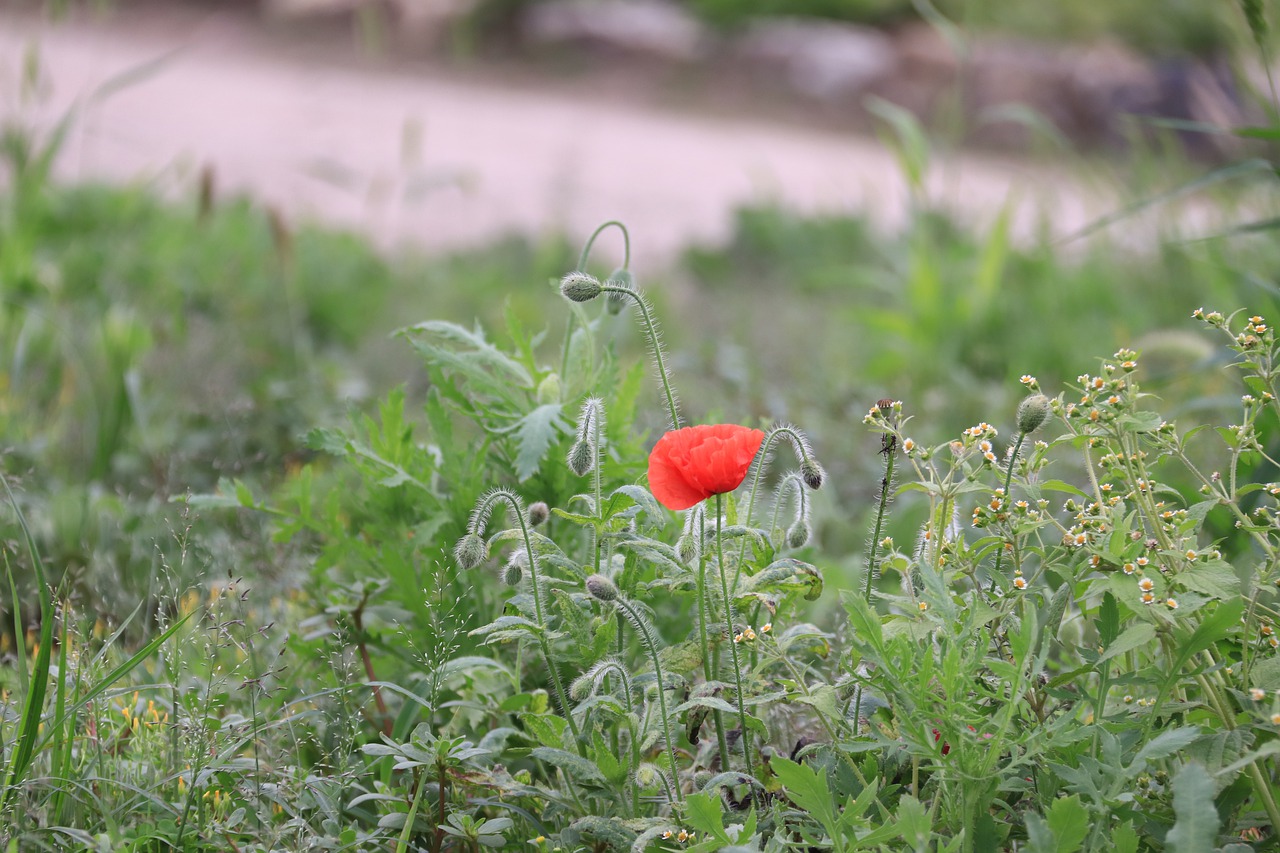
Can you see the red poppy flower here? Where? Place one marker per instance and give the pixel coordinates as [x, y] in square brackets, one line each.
[690, 465]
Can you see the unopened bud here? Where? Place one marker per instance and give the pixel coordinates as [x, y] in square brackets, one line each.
[648, 777]
[812, 474]
[601, 588]
[1032, 412]
[581, 460]
[549, 390]
[579, 287]
[538, 513]
[615, 303]
[798, 535]
[470, 551]
[513, 571]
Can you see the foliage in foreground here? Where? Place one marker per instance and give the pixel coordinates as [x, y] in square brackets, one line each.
[1049, 666]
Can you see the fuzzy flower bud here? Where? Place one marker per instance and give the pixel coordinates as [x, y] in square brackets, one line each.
[549, 389]
[513, 572]
[616, 303]
[538, 513]
[648, 777]
[470, 551]
[601, 588]
[579, 287]
[812, 473]
[581, 460]
[798, 535]
[1032, 413]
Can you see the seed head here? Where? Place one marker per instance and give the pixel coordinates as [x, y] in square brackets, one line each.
[581, 460]
[470, 551]
[601, 588]
[1032, 412]
[580, 287]
[538, 513]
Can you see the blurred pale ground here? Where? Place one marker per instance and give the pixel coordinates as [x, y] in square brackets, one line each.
[448, 159]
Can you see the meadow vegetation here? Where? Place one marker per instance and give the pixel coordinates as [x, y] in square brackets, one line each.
[1001, 572]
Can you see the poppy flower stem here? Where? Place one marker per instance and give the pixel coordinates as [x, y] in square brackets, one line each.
[650, 328]
[704, 617]
[651, 646]
[733, 647]
[808, 465]
[626, 243]
[478, 519]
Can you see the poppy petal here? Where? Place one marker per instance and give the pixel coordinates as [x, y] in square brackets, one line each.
[692, 464]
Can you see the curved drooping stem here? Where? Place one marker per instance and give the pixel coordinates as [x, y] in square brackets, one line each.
[650, 643]
[479, 518]
[653, 335]
[626, 244]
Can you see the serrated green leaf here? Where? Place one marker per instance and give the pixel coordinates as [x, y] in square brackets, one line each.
[575, 766]
[547, 729]
[913, 823]
[705, 813]
[1069, 821]
[808, 790]
[1196, 827]
[535, 433]
[1163, 745]
[1214, 578]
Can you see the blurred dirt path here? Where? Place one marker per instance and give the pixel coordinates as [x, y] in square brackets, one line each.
[407, 155]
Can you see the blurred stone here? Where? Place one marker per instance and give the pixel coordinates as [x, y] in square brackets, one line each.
[821, 60]
[650, 27]
[410, 21]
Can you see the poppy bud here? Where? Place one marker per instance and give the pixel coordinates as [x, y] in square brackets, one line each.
[617, 302]
[470, 551]
[579, 287]
[513, 571]
[812, 473]
[798, 535]
[648, 777]
[601, 588]
[549, 390]
[1032, 412]
[538, 513]
[581, 460]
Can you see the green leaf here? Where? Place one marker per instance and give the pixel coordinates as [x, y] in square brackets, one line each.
[547, 729]
[913, 823]
[1215, 579]
[1196, 827]
[1265, 674]
[705, 813]
[1163, 745]
[808, 790]
[1108, 622]
[614, 769]
[1069, 822]
[535, 433]
[1133, 637]
[1124, 839]
[575, 766]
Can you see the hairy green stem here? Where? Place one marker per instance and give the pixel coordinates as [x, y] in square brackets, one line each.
[651, 331]
[733, 647]
[518, 511]
[651, 645]
[1008, 479]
